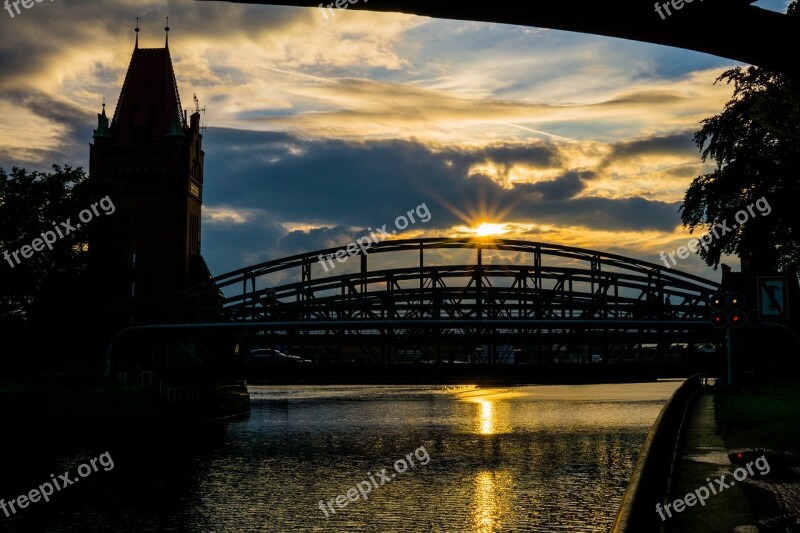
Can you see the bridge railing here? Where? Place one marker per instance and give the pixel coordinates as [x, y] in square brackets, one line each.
[176, 395]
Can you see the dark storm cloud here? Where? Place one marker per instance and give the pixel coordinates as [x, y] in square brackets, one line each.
[358, 184]
[673, 144]
[538, 155]
[647, 97]
[678, 144]
[75, 122]
[689, 171]
[562, 187]
[70, 116]
[32, 40]
[633, 214]
[41, 41]
[296, 242]
[228, 246]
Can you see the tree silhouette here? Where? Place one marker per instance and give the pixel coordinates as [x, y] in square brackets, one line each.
[50, 302]
[755, 142]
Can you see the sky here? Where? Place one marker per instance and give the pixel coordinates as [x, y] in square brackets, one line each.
[320, 129]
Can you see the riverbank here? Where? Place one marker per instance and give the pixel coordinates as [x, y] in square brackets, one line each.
[754, 417]
[733, 420]
[86, 399]
[44, 400]
[465, 374]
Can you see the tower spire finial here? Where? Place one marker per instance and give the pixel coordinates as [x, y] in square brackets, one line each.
[166, 29]
[137, 32]
[102, 130]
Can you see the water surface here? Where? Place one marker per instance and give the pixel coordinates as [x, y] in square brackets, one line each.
[529, 458]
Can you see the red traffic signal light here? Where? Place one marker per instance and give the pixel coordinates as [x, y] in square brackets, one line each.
[728, 310]
[736, 300]
[717, 301]
[737, 319]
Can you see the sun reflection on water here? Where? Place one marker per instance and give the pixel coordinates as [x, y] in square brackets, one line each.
[486, 420]
[492, 412]
[490, 501]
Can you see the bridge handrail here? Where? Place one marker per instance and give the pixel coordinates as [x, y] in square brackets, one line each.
[171, 394]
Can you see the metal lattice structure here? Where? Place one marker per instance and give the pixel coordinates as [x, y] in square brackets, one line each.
[565, 293]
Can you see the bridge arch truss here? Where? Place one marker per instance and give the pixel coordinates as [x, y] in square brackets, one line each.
[483, 291]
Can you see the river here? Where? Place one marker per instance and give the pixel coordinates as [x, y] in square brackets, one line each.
[456, 458]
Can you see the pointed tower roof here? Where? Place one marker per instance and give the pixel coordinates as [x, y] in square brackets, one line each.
[102, 124]
[149, 100]
[175, 130]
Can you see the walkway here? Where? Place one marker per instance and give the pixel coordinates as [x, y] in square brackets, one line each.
[704, 456]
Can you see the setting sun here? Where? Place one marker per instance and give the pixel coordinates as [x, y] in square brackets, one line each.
[486, 229]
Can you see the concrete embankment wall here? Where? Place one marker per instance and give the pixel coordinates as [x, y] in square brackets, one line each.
[45, 405]
[651, 479]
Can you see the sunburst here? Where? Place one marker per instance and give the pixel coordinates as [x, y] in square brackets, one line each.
[487, 229]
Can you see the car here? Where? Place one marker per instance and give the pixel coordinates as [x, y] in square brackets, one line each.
[273, 357]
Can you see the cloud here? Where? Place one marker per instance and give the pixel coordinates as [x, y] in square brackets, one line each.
[563, 187]
[362, 183]
[673, 144]
[318, 131]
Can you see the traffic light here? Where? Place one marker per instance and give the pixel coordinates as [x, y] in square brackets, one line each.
[719, 319]
[728, 310]
[737, 319]
[736, 300]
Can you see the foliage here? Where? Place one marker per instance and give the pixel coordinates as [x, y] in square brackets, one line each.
[755, 142]
[49, 301]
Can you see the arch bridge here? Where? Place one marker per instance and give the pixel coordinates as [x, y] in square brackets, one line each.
[441, 297]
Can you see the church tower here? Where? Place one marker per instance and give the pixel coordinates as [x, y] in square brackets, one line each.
[152, 156]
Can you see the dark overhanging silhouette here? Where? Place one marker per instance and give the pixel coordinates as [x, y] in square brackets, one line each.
[733, 29]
